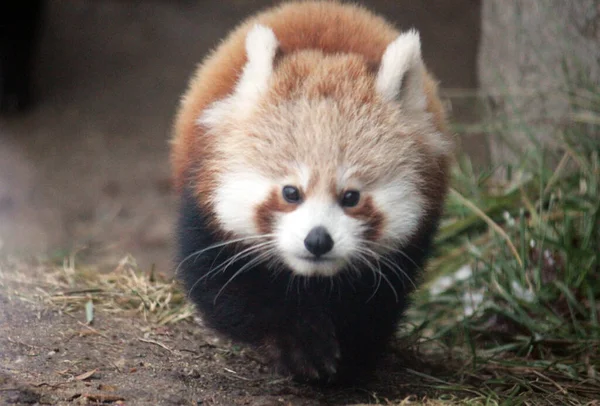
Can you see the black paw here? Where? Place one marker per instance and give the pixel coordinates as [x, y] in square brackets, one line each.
[308, 350]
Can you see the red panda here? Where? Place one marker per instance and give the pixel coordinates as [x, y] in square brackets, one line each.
[312, 157]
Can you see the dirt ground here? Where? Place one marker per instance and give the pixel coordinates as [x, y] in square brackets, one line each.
[88, 168]
[51, 357]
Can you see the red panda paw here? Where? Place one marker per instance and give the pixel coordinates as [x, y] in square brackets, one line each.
[307, 350]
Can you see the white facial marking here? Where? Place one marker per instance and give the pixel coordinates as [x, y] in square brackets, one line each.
[402, 205]
[399, 201]
[236, 199]
[240, 193]
[304, 177]
[400, 75]
[345, 179]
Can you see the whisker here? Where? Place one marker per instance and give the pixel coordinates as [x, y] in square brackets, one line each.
[228, 262]
[217, 245]
[214, 271]
[377, 276]
[252, 263]
[290, 284]
[391, 286]
[382, 275]
[394, 267]
[365, 260]
[243, 254]
[393, 249]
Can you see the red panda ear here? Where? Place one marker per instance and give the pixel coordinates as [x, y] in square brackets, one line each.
[261, 48]
[400, 75]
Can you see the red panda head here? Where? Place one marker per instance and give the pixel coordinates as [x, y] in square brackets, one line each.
[322, 159]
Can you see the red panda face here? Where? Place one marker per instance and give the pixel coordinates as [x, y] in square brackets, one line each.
[315, 224]
[330, 229]
[326, 189]
[319, 163]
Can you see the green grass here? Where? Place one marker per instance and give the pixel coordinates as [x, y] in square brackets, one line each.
[513, 293]
[511, 301]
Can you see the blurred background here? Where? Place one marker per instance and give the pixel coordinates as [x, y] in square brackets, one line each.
[85, 163]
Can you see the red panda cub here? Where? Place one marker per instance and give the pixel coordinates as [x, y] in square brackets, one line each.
[312, 156]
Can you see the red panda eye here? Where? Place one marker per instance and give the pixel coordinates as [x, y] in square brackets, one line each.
[291, 194]
[350, 198]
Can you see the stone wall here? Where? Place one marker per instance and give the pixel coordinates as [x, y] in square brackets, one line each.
[532, 53]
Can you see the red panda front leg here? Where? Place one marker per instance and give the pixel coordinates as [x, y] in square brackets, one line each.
[304, 346]
[299, 339]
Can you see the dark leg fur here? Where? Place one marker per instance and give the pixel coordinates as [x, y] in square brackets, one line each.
[311, 328]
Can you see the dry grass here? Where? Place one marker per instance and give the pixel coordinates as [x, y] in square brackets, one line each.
[124, 290]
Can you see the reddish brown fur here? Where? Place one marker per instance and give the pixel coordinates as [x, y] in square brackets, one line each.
[301, 78]
[265, 212]
[373, 218]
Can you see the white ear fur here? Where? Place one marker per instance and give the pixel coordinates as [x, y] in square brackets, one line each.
[400, 75]
[261, 47]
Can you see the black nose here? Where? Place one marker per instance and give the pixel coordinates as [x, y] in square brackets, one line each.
[318, 241]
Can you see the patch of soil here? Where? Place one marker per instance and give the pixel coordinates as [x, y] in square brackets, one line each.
[51, 357]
